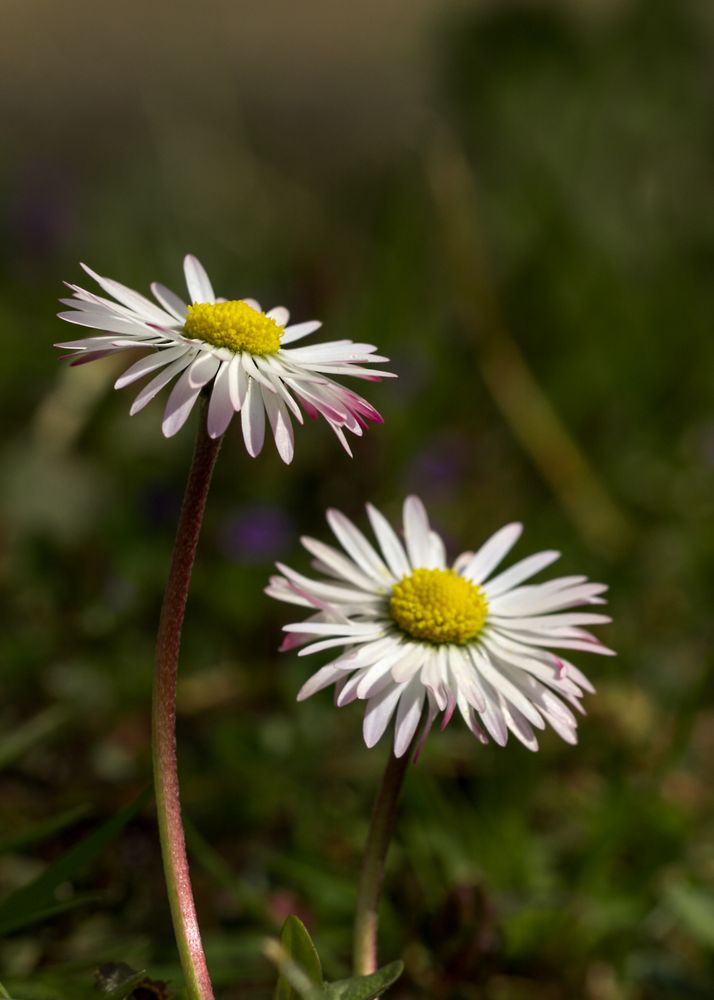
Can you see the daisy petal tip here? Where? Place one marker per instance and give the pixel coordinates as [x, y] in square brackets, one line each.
[370, 739]
[171, 426]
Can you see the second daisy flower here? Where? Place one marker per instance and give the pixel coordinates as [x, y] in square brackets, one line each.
[417, 637]
[233, 350]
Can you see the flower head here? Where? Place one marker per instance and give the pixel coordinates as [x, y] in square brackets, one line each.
[417, 637]
[233, 350]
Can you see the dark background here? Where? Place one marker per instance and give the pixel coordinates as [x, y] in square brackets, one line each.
[515, 204]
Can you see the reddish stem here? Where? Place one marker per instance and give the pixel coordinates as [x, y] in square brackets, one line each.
[168, 805]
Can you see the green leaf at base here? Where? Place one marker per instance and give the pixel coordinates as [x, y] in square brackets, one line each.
[299, 950]
[300, 970]
[365, 987]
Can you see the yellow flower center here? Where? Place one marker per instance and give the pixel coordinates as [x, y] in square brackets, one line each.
[439, 606]
[234, 325]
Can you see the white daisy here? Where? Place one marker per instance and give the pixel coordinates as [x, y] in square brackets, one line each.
[417, 637]
[233, 350]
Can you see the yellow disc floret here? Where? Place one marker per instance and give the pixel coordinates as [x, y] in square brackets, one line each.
[439, 606]
[234, 325]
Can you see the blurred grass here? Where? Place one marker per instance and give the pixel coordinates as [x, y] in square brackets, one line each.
[588, 872]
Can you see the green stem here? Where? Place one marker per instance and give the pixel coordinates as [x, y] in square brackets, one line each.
[168, 806]
[364, 954]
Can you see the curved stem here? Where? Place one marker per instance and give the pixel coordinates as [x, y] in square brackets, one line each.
[364, 953]
[168, 806]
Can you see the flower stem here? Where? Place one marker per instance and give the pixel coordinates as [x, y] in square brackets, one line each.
[168, 806]
[364, 953]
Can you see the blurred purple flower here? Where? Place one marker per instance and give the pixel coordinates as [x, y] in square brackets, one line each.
[256, 534]
[437, 469]
[41, 215]
[161, 503]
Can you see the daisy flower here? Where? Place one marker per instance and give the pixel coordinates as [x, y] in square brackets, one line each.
[417, 637]
[231, 349]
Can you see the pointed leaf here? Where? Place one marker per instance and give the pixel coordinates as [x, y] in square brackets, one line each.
[298, 949]
[365, 987]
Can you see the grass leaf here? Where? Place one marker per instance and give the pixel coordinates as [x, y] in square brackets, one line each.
[36, 901]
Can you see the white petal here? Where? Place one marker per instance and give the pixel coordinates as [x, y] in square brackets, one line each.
[105, 320]
[410, 662]
[356, 545]
[298, 330]
[520, 727]
[170, 301]
[566, 732]
[220, 406]
[340, 566]
[253, 371]
[197, 281]
[237, 382]
[575, 674]
[371, 652]
[588, 645]
[378, 713]
[324, 590]
[354, 629]
[376, 678]
[98, 343]
[348, 691]
[437, 551]
[539, 599]
[144, 307]
[280, 424]
[203, 369]
[408, 715]
[179, 404]
[518, 572]
[431, 678]
[559, 620]
[323, 644]
[253, 419]
[322, 679]
[507, 688]
[417, 534]
[154, 387]
[149, 364]
[541, 665]
[279, 315]
[392, 548]
[492, 716]
[492, 552]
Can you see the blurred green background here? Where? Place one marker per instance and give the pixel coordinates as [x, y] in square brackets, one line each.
[515, 204]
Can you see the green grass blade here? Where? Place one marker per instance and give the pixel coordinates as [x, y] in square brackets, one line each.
[29, 734]
[39, 832]
[30, 903]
